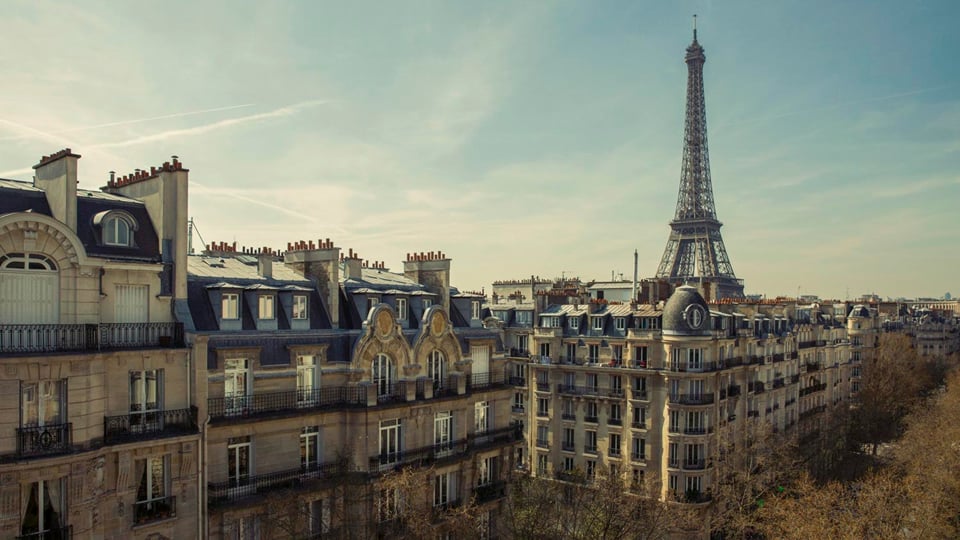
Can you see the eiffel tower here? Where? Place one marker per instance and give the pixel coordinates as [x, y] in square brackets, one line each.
[695, 250]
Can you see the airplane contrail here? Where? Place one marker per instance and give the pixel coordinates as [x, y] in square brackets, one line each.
[196, 130]
[136, 121]
[233, 194]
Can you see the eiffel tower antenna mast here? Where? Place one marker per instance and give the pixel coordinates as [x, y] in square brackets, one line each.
[695, 247]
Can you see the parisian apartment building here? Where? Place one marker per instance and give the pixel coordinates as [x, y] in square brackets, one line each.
[649, 391]
[156, 391]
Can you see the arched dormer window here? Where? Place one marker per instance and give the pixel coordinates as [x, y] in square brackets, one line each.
[116, 227]
[382, 374]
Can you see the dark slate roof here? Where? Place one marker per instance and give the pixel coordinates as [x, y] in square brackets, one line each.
[16, 196]
[90, 203]
[205, 319]
[274, 349]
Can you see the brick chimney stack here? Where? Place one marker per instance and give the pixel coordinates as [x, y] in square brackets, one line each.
[432, 270]
[319, 262]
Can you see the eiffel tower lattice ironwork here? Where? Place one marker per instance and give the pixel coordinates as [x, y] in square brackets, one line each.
[695, 249]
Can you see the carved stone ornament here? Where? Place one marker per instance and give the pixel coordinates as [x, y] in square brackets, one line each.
[438, 323]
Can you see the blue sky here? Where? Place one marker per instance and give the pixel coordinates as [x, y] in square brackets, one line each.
[520, 138]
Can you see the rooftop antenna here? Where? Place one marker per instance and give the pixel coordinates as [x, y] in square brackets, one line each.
[694, 26]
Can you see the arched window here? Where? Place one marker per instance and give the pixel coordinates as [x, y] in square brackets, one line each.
[382, 374]
[436, 370]
[116, 227]
[29, 289]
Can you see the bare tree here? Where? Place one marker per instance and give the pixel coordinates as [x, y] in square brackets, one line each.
[605, 507]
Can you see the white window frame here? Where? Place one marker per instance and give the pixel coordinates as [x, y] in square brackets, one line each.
[236, 372]
[391, 433]
[481, 416]
[308, 379]
[382, 374]
[238, 474]
[575, 323]
[436, 369]
[597, 323]
[310, 448]
[164, 486]
[144, 412]
[402, 309]
[443, 433]
[620, 323]
[266, 304]
[113, 225]
[475, 310]
[299, 307]
[230, 306]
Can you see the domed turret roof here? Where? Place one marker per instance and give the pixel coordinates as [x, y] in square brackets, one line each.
[686, 313]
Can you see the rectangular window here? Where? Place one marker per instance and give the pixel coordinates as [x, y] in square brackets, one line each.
[543, 406]
[388, 504]
[639, 450]
[475, 309]
[524, 318]
[598, 323]
[145, 393]
[566, 406]
[487, 471]
[568, 464]
[590, 441]
[236, 388]
[675, 418]
[593, 381]
[42, 509]
[310, 448]
[522, 343]
[592, 414]
[545, 350]
[568, 438]
[542, 461]
[614, 444]
[427, 303]
[571, 352]
[616, 352]
[152, 487]
[42, 403]
[402, 309]
[372, 302]
[620, 323]
[238, 461]
[543, 434]
[673, 454]
[230, 303]
[672, 483]
[518, 401]
[591, 469]
[132, 303]
[641, 357]
[265, 305]
[444, 489]
[443, 433]
[593, 352]
[299, 306]
[574, 322]
[615, 414]
[639, 417]
[694, 483]
[481, 417]
[389, 442]
[616, 383]
[307, 380]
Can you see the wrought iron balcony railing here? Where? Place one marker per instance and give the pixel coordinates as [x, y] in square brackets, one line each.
[43, 338]
[232, 490]
[492, 491]
[694, 464]
[692, 399]
[149, 425]
[476, 381]
[58, 533]
[428, 455]
[155, 510]
[289, 400]
[44, 440]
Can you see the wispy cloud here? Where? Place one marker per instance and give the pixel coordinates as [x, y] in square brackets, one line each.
[289, 110]
[910, 187]
[135, 121]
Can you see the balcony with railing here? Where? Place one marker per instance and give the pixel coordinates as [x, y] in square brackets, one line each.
[518, 381]
[590, 419]
[812, 411]
[439, 453]
[484, 381]
[542, 443]
[694, 464]
[757, 387]
[568, 416]
[575, 390]
[590, 449]
[614, 421]
[567, 446]
[155, 510]
[47, 338]
[812, 388]
[638, 425]
[733, 390]
[639, 394]
[638, 456]
[701, 430]
[778, 382]
[48, 440]
[490, 492]
[696, 367]
[543, 386]
[692, 399]
[232, 490]
[519, 353]
[778, 357]
[292, 401]
[149, 425]
[813, 366]
[58, 533]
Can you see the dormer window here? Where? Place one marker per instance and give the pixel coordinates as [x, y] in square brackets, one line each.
[299, 306]
[598, 323]
[574, 322]
[402, 309]
[230, 303]
[620, 322]
[265, 305]
[475, 309]
[116, 227]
